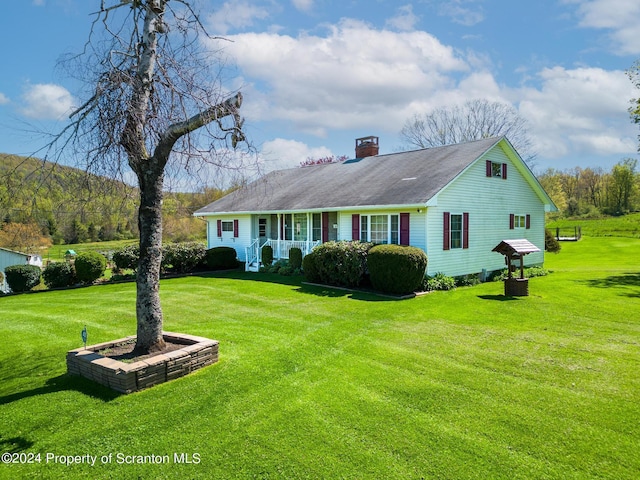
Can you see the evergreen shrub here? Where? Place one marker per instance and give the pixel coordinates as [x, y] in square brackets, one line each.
[89, 266]
[22, 278]
[127, 257]
[267, 255]
[221, 258]
[337, 263]
[183, 257]
[396, 269]
[295, 258]
[551, 243]
[59, 275]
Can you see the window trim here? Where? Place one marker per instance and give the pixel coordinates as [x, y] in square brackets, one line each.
[364, 230]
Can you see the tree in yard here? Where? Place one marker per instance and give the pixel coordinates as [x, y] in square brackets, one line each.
[154, 99]
[634, 110]
[622, 185]
[474, 120]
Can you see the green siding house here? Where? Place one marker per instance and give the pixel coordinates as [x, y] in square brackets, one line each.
[455, 202]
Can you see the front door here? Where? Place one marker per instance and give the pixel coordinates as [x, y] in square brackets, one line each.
[263, 228]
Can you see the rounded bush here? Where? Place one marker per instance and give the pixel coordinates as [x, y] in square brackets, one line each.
[90, 266]
[22, 278]
[338, 263]
[127, 257]
[58, 275]
[221, 258]
[267, 255]
[295, 258]
[551, 243]
[183, 257]
[396, 268]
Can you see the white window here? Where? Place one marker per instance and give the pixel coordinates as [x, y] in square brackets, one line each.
[380, 228]
[456, 231]
[227, 226]
[519, 221]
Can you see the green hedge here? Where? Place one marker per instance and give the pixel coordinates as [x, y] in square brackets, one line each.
[183, 257]
[127, 257]
[267, 255]
[221, 258]
[337, 263]
[396, 269]
[59, 274]
[22, 278]
[295, 258]
[89, 266]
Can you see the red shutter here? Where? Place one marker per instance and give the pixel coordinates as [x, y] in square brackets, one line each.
[355, 227]
[512, 221]
[446, 228]
[325, 227]
[504, 171]
[489, 169]
[235, 228]
[404, 229]
[219, 228]
[465, 230]
[528, 220]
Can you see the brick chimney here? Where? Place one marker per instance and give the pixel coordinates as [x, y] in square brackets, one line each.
[366, 147]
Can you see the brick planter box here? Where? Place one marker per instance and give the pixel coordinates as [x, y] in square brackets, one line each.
[124, 377]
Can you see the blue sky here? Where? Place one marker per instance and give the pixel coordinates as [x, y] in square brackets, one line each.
[316, 74]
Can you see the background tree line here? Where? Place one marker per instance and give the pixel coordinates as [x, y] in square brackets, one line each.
[43, 203]
[593, 191]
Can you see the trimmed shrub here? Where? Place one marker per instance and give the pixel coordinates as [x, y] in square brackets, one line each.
[396, 268]
[89, 266]
[295, 258]
[551, 243]
[22, 278]
[267, 255]
[338, 263]
[58, 275]
[439, 281]
[183, 257]
[221, 258]
[127, 257]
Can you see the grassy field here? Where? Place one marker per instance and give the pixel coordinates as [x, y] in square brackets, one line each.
[318, 383]
[624, 226]
[56, 252]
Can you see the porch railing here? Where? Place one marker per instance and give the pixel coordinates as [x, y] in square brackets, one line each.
[281, 249]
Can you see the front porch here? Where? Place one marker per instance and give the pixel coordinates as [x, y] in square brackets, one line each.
[281, 249]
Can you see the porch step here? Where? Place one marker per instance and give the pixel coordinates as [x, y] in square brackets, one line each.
[252, 267]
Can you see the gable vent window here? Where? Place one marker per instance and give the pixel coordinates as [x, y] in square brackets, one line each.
[496, 170]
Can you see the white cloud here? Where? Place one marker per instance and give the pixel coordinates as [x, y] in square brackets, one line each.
[463, 12]
[351, 78]
[236, 14]
[302, 5]
[404, 20]
[46, 101]
[580, 111]
[3, 99]
[281, 153]
[620, 17]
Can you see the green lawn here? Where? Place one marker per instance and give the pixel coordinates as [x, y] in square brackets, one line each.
[318, 383]
[56, 252]
[623, 226]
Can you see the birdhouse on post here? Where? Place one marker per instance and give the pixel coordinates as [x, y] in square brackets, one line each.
[514, 252]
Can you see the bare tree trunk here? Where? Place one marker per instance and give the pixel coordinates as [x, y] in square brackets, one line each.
[148, 309]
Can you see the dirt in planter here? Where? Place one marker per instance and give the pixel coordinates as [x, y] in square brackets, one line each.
[123, 352]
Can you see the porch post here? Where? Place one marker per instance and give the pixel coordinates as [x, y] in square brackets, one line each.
[279, 232]
[309, 232]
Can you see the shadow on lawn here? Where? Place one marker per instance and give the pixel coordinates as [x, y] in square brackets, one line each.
[628, 280]
[499, 298]
[15, 444]
[62, 383]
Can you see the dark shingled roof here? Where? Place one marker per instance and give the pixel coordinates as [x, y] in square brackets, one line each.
[405, 178]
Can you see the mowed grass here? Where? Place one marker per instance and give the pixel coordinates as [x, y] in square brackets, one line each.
[622, 226]
[319, 383]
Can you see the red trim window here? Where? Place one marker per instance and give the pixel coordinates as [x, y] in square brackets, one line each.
[455, 230]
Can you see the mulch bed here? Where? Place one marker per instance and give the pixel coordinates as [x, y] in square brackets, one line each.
[124, 352]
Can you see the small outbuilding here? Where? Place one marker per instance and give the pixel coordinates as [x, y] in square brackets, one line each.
[9, 258]
[514, 252]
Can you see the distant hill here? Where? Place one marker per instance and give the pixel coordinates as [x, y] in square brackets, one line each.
[72, 206]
